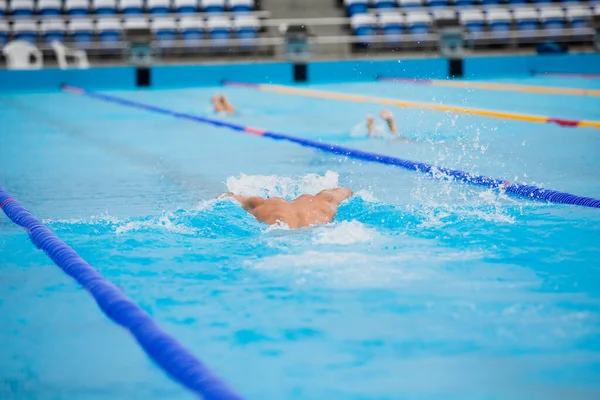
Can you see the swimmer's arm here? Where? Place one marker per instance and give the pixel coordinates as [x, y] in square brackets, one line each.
[248, 203]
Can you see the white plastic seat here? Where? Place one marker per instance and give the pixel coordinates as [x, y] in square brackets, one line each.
[109, 30]
[185, 6]
[136, 22]
[19, 55]
[388, 19]
[418, 17]
[362, 20]
[191, 23]
[525, 14]
[158, 6]
[471, 16]
[4, 31]
[49, 7]
[241, 5]
[578, 16]
[22, 7]
[498, 15]
[213, 5]
[63, 53]
[53, 30]
[409, 3]
[2, 7]
[104, 7]
[165, 29]
[25, 30]
[246, 22]
[77, 7]
[548, 14]
[131, 7]
[81, 31]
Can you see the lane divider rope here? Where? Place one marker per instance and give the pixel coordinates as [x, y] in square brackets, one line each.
[166, 351]
[495, 86]
[413, 104]
[517, 189]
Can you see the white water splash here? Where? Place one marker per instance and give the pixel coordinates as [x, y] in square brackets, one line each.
[280, 186]
[164, 222]
[366, 196]
[344, 233]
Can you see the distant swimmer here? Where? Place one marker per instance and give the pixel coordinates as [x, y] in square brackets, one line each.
[221, 104]
[301, 212]
[388, 117]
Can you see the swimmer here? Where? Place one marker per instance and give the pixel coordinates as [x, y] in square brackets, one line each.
[301, 212]
[388, 117]
[221, 104]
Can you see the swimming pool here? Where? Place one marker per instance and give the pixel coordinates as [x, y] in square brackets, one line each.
[421, 288]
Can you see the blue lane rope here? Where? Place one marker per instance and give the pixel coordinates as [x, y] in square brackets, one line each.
[517, 189]
[167, 352]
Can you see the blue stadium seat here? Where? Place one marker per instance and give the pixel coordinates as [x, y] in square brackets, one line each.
[2, 8]
[165, 30]
[464, 3]
[418, 23]
[104, 7]
[25, 29]
[364, 24]
[219, 28]
[241, 5]
[131, 7]
[77, 7]
[473, 21]
[384, 4]
[552, 18]
[515, 2]
[4, 32]
[185, 6]
[159, 7]
[392, 26]
[578, 16]
[21, 8]
[191, 29]
[410, 3]
[53, 29]
[213, 6]
[354, 7]
[490, 2]
[82, 32]
[499, 21]
[109, 31]
[49, 7]
[436, 3]
[526, 18]
[542, 1]
[570, 1]
[246, 28]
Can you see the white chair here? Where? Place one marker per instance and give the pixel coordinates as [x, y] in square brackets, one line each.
[131, 7]
[4, 32]
[409, 3]
[185, 6]
[192, 29]
[62, 53]
[25, 29]
[22, 7]
[552, 18]
[578, 16]
[241, 5]
[77, 7]
[526, 18]
[49, 7]
[53, 30]
[82, 31]
[2, 7]
[158, 6]
[418, 22]
[18, 55]
[216, 6]
[136, 23]
[104, 7]
[472, 20]
[109, 30]
[165, 29]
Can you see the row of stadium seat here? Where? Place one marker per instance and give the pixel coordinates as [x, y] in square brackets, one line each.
[109, 30]
[103, 7]
[475, 20]
[354, 7]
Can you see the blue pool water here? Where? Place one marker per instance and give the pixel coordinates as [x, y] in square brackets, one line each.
[420, 288]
